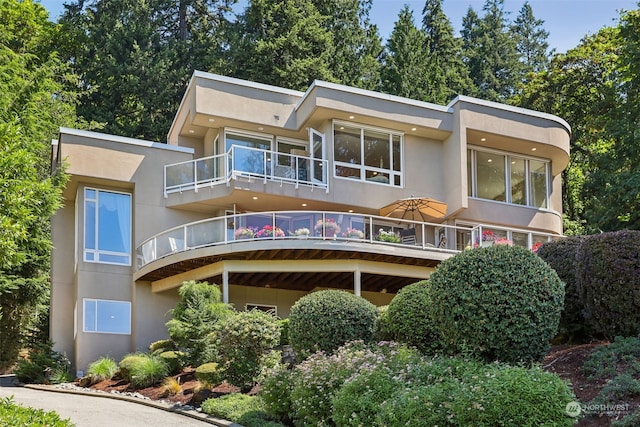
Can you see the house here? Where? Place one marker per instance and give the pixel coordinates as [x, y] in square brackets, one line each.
[272, 193]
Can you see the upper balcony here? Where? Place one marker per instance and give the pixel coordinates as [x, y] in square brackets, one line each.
[249, 162]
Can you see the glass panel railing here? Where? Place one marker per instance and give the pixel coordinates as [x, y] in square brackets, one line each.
[178, 176]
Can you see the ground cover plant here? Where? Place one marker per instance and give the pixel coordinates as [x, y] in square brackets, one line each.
[16, 415]
[242, 409]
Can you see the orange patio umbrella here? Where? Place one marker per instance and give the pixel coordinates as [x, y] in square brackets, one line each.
[415, 209]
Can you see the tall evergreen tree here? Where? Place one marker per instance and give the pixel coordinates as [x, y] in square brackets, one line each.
[282, 43]
[404, 61]
[447, 75]
[135, 57]
[34, 103]
[490, 52]
[531, 42]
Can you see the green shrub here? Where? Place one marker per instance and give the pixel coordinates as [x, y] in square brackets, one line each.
[358, 400]
[173, 359]
[608, 281]
[318, 378]
[384, 331]
[622, 355]
[194, 318]
[618, 390]
[44, 366]
[325, 320]
[16, 415]
[499, 302]
[161, 346]
[142, 370]
[243, 341]
[410, 318]
[102, 369]
[276, 393]
[561, 256]
[284, 331]
[240, 408]
[497, 396]
[209, 374]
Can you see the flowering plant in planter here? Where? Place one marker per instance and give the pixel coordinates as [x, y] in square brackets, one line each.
[536, 246]
[329, 225]
[387, 236]
[270, 231]
[488, 236]
[503, 241]
[302, 232]
[353, 233]
[244, 233]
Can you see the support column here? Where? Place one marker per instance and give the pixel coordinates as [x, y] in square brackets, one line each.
[225, 286]
[357, 286]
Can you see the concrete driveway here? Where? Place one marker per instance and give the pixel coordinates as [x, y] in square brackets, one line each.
[95, 411]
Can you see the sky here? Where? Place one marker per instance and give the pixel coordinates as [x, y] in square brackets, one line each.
[567, 21]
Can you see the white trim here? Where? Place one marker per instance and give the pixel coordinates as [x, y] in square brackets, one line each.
[123, 140]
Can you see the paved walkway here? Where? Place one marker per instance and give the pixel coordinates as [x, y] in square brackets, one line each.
[87, 409]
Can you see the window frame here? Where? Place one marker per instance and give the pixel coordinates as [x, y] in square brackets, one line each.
[97, 252]
[97, 329]
[472, 192]
[367, 172]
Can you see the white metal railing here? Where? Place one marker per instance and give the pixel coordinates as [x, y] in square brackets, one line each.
[319, 225]
[247, 162]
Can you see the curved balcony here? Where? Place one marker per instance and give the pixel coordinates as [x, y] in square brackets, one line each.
[310, 226]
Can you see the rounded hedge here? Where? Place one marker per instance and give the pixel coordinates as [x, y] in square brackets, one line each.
[499, 302]
[561, 256]
[324, 320]
[410, 318]
[608, 281]
[209, 374]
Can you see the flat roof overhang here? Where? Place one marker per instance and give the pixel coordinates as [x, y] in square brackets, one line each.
[296, 265]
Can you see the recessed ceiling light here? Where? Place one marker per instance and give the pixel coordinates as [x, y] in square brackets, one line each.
[414, 129]
[534, 149]
[352, 117]
[304, 204]
[483, 139]
[192, 131]
[255, 197]
[260, 128]
[212, 120]
[350, 210]
[489, 160]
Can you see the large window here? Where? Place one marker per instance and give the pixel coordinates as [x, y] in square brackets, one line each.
[107, 227]
[508, 178]
[106, 316]
[249, 154]
[367, 154]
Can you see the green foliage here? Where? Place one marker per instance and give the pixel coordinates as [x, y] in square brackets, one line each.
[284, 331]
[276, 393]
[102, 369]
[161, 346]
[143, 370]
[495, 396]
[325, 320]
[631, 420]
[622, 355]
[499, 302]
[175, 360]
[194, 318]
[240, 408]
[606, 276]
[243, 341]
[16, 415]
[621, 387]
[358, 400]
[561, 256]
[384, 331]
[410, 318]
[209, 374]
[44, 366]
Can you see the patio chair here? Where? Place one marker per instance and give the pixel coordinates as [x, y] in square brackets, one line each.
[408, 236]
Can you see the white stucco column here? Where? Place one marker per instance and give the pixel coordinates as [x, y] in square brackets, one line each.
[357, 277]
[225, 286]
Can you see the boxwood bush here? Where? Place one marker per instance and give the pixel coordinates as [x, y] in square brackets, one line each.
[608, 281]
[499, 302]
[410, 318]
[209, 374]
[384, 330]
[325, 320]
[243, 341]
[561, 256]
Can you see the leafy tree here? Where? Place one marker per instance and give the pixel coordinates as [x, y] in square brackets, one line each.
[446, 74]
[283, 43]
[34, 103]
[136, 56]
[404, 60]
[490, 52]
